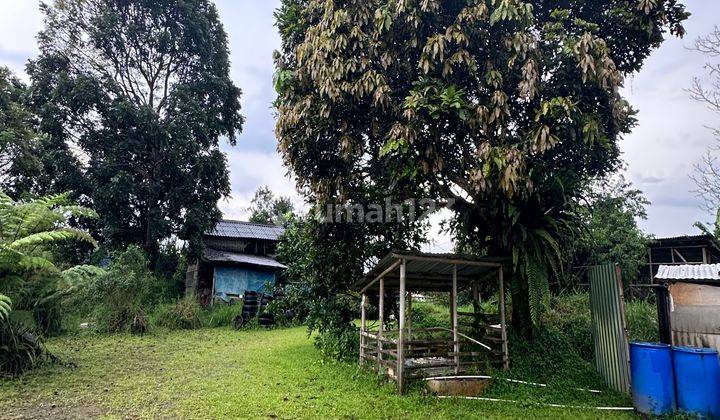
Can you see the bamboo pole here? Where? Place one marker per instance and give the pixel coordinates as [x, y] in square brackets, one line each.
[401, 333]
[456, 339]
[503, 326]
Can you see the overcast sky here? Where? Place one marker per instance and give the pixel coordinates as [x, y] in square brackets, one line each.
[669, 140]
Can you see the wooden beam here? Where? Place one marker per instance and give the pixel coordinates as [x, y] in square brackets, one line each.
[401, 332]
[455, 321]
[503, 326]
[448, 260]
[680, 255]
[381, 275]
[439, 277]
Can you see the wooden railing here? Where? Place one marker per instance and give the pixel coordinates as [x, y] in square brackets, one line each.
[427, 352]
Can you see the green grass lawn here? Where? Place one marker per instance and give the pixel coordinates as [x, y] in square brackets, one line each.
[211, 373]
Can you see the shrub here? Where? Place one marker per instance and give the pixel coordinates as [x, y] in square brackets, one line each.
[642, 320]
[569, 314]
[429, 315]
[181, 315]
[291, 305]
[119, 297]
[220, 314]
[341, 344]
[20, 348]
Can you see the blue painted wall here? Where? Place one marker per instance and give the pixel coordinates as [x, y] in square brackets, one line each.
[236, 280]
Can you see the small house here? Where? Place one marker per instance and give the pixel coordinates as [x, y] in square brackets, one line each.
[238, 256]
[689, 305]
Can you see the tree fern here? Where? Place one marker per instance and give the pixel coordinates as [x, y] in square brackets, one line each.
[27, 231]
[5, 307]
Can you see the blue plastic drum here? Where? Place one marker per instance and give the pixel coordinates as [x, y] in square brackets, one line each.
[653, 383]
[697, 381]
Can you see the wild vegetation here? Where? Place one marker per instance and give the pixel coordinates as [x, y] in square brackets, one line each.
[33, 276]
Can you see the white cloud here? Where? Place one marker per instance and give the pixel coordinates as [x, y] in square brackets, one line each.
[251, 170]
[20, 21]
[671, 135]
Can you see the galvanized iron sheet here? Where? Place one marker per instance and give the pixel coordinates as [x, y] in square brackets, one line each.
[246, 230]
[609, 327]
[689, 272]
[695, 315]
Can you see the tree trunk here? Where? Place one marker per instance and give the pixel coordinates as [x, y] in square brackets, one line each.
[521, 317]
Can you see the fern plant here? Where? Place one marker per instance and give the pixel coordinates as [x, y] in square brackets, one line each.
[28, 231]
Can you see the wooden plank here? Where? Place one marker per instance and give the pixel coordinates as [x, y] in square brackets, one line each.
[381, 321]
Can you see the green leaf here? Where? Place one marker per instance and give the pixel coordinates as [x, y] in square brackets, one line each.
[5, 306]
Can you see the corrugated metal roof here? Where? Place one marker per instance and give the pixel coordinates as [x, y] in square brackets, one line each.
[215, 255]
[689, 272]
[246, 230]
[432, 272]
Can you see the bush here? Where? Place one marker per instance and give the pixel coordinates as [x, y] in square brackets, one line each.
[569, 314]
[120, 297]
[340, 344]
[169, 269]
[181, 315]
[429, 315]
[291, 305]
[220, 314]
[642, 320]
[20, 349]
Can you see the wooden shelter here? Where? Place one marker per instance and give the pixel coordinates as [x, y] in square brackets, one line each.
[405, 353]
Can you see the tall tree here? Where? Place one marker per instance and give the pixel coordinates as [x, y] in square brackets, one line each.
[268, 209]
[507, 107]
[18, 140]
[609, 231]
[30, 163]
[141, 90]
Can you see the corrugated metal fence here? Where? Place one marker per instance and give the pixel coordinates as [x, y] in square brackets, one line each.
[607, 307]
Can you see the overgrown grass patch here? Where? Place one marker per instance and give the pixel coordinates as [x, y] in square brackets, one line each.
[209, 373]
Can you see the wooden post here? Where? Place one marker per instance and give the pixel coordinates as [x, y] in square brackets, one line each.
[409, 315]
[381, 321]
[401, 333]
[503, 327]
[475, 296]
[456, 338]
[212, 291]
[363, 303]
[704, 255]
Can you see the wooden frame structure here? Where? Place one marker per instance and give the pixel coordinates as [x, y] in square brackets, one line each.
[404, 353]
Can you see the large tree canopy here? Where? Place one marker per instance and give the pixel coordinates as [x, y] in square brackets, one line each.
[141, 90]
[31, 163]
[508, 107]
